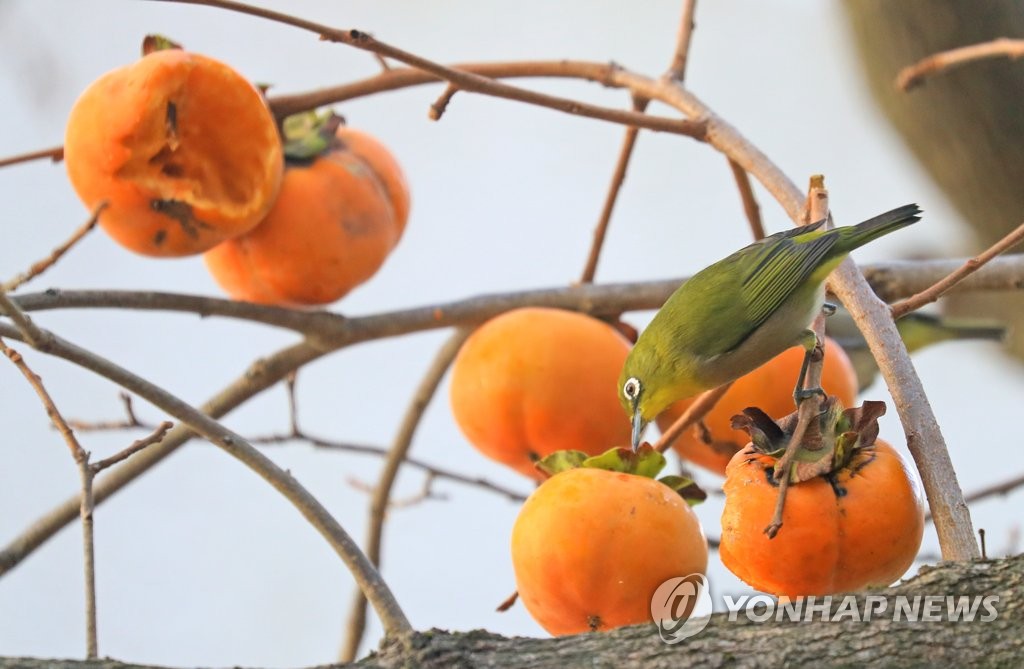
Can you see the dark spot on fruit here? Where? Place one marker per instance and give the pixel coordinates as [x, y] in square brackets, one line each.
[594, 622]
[173, 170]
[159, 237]
[181, 212]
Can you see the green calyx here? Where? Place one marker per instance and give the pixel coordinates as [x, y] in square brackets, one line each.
[646, 462]
[153, 43]
[831, 440]
[310, 134]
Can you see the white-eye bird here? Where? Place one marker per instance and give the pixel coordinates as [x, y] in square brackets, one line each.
[735, 315]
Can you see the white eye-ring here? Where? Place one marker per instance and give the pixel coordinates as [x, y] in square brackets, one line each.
[631, 388]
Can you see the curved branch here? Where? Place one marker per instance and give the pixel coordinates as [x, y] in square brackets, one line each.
[463, 80]
[365, 573]
[382, 492]
[890, 280]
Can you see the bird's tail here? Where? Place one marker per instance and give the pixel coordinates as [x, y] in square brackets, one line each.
[858, 235]
[919, 330]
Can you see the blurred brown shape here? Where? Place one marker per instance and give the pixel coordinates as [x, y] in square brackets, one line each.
[966, 125]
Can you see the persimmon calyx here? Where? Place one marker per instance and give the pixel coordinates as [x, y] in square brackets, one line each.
[310, 134]
[154, 42]
[646, 462]
[829, 443]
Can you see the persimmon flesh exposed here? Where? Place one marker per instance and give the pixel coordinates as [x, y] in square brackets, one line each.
[182, 149]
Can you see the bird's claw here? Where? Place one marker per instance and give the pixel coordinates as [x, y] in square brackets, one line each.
[805, 393]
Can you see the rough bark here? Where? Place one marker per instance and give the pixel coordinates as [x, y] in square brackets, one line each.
[964, 126]
[997, 643]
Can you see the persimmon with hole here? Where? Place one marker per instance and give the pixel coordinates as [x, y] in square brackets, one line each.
[336, 220]
[712, 443]
[534, 381]
[856, 526]
[590, 547]
[182, 149]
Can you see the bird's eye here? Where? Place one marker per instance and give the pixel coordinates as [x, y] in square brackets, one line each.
[631, 388]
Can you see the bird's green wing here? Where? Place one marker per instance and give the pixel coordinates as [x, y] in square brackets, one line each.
[778, 269]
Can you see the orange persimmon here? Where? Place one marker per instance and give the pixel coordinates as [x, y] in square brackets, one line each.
[770, 388]
[591, 546]
[534, 381]
[856, 526]
[182, 149]
[336, 219]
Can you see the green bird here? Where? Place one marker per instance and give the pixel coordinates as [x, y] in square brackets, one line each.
[918, 331]
[735, 315]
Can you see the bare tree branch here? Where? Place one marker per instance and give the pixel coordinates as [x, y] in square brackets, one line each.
[467, 81]
[55, 154]
[86, 475]
[382, 492]
[940, 63]
[940, 288]
[49, 261]
[363, 571]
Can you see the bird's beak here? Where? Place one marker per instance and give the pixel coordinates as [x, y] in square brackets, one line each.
[638, 427]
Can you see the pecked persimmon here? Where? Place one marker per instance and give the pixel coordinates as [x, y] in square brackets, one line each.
[341, 210]
[534, 381]
[712, 443]
[853, 524]
[590, 548]
[182, 148]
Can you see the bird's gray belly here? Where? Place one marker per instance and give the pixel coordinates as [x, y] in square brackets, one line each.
[782, 330]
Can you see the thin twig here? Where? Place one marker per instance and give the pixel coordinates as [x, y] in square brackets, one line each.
[694, 413]
[434, 471]
[130, 421]
[612, 196]
[440, 105]
[155, 438]
[49, 261]
[55, 154]
[994, 490]
[382, 492]
[940, 63]
[29, 330]
[750, 206]
[972, 265]
[365, 574]
[675, 72]
[425, 492]
[809, 406]
[81, 458]
[465, 80]
[677, 68]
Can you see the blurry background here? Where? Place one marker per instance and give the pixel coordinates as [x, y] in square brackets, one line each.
[201, 563]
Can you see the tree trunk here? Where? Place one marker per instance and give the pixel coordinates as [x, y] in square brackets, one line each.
[996, 643]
